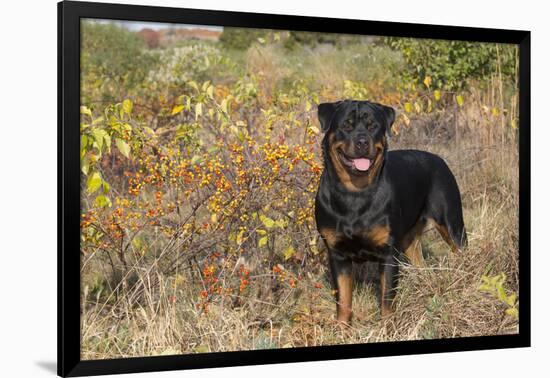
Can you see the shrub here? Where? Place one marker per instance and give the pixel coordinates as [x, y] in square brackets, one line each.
[240, 38]
[113, 61]
[451, 64]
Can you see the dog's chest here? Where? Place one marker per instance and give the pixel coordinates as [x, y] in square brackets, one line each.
[359, 244]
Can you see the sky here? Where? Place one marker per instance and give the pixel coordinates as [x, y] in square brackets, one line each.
[138, 25]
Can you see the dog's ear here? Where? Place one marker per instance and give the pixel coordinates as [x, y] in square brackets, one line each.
[389, 112]
[325, 112]
[389, 116]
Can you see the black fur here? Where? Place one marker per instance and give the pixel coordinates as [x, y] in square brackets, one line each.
[398, 195]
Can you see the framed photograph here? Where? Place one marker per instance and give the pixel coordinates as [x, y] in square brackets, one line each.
[239, 188]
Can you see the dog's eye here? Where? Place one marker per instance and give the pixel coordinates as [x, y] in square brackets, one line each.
[348, 125]
[371, 126]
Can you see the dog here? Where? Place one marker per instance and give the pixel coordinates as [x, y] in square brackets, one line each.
[372, 204]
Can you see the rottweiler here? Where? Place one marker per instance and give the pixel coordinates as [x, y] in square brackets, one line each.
[373, 204]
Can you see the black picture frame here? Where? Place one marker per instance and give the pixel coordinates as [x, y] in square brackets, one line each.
[69, 15]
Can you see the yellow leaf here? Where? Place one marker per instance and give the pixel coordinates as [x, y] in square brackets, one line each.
[177, 109]
[437, 95]
[127, 106]
[288, 252]
[200, 349]
[85, 110]
[406, 119]
[210, 91]
[262, 242]
[459, 100]
[313, 246]
[198, 110]
[408, 107]
[194, 85]
[223, 105]
[315, 130]
[268, 222]
[239, 239]
[428, 81]
[495, 112]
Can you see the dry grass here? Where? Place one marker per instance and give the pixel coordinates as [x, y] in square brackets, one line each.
[441, 300]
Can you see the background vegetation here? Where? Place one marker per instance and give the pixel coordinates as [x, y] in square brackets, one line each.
[200, 161]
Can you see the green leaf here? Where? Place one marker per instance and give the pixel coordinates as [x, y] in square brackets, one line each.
[94, 182]
[502, 294]
[83, 141]
[102, 201]
[123, 147]
[85, 165]
[127, 106]
[262, 242]
[511, 300]
[512, 312]
[107, 139]
[99, 137]
[106, 187]
[177, 109]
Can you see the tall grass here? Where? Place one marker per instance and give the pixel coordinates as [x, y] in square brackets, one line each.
[156, 296]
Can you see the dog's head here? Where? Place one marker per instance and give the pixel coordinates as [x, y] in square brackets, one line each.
[355, 139]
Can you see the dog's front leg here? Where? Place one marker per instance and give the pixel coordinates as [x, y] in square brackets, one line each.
[389, 273]
[342, 282]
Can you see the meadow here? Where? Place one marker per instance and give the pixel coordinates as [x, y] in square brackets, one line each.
[200, 161]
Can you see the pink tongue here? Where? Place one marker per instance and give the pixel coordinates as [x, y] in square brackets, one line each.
[361, 164]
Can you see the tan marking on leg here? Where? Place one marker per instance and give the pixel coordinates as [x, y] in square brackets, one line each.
[330, 236]
[411, 245]
[444, 232]
[378, 235]
[344, 296]
[414, 253]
